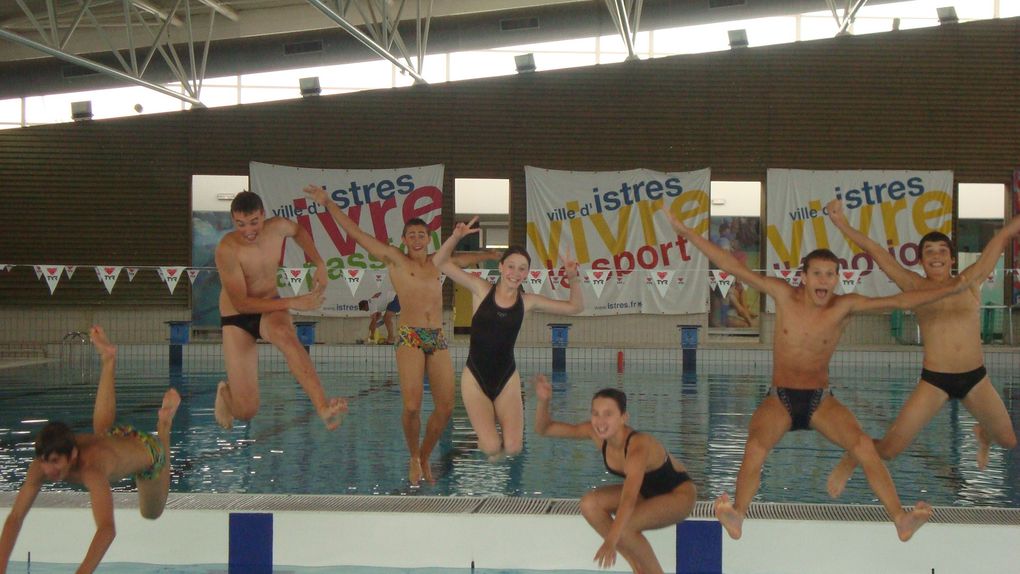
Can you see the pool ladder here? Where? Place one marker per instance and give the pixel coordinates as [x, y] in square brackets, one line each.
[75, 353]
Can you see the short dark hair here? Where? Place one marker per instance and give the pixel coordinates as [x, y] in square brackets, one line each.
[414, 222]
[615, 394]
[246, 202]
[56, 437]
[515, 250]
[820, 254]
[935, 237]
[363, 305]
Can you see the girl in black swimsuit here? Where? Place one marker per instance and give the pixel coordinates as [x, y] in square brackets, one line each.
[656, 490]
[490, 385]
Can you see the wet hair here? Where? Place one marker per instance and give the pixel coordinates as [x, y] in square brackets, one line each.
[55, 437]
[414, 222]
[246, 202]
[935, 237]
[515, 250]
[820, 255]
[615, 394]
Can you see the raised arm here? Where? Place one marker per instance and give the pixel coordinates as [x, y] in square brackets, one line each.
[102, 512]
[443, 259]
[232, 281]
[544, 425]
[464, 259]
[634, 469]
[904, 278]
[980, 269]
[307, 244]
[572, 306]
[726, 261]
[380, 250]
[22, 504]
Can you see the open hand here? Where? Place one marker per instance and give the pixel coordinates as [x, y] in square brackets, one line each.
[542, 387]
[317, 192]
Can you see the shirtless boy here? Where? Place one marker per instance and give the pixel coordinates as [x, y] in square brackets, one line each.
[421, 343]
[809, 322]
[96, 460]
[250, 309]
[953, 366]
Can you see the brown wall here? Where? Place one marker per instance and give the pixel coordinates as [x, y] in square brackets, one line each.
[118, 191]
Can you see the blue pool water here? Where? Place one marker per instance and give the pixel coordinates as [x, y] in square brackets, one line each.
[702, 421]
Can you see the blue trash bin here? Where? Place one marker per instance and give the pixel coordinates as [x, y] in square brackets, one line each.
[689, 347]
[306, 333]
[180, 335]
[560, 341]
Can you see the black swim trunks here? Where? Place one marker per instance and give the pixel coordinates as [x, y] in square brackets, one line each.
[655, 482]
[493, 336]
[956, 385]
[800, 403]
[250, 322]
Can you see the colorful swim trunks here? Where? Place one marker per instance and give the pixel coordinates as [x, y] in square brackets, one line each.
[424, 338]
[151, 442]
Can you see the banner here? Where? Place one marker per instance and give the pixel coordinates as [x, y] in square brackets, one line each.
[379, 200]
[608, 222]
[108, 274]
[893, 208]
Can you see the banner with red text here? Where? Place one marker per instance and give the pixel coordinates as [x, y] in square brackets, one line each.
[608, 222]
[379, 200]
[893, 208]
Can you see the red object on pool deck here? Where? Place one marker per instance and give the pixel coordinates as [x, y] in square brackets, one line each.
[619, 361]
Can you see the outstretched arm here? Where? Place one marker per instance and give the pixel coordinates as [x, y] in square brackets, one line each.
[380, 250]
[980, 269]
[725, 260]
[904, 278]
[22, 504]
[232, 281]
[307, 244]
[464, 259]
[906, 299]
[102, 512]
[572, 306]
[443, 259]
[545, 425]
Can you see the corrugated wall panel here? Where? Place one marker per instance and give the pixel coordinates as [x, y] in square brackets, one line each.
[118, 191]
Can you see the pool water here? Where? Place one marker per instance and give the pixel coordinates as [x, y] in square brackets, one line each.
[701, 420]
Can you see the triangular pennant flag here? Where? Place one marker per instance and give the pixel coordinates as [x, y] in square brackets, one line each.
[711, 280]
[480, 273]
[353, 277]
[52, 274]
[162, 276]
[536, 279]
[70, 269]
[661, 279]
[193, 274]
[171, 275]
[680, 279]
[131, 273]
[108, 274]
[38, 271]
[442, 278]
[791, 276]
[849, 279]
[723, 281]
[379, 277]
[5, 267]
[598, 280]
[295, 277]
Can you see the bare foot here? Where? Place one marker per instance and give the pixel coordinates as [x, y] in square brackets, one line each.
[910, 522]
[983, 444]
[333, 413]
[171, 400]
[426, 470]
[728, 516]
[221, 409]
[107, 350]
[840, 475]
[414, 471]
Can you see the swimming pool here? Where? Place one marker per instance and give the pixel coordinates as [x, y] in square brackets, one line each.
[701, 419]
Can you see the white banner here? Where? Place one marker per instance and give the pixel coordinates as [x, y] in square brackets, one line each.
[380, 200]
[108, 274]
[893, 208]
[608, 221]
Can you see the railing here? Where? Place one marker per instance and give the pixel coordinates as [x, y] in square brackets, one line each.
[76, 354]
